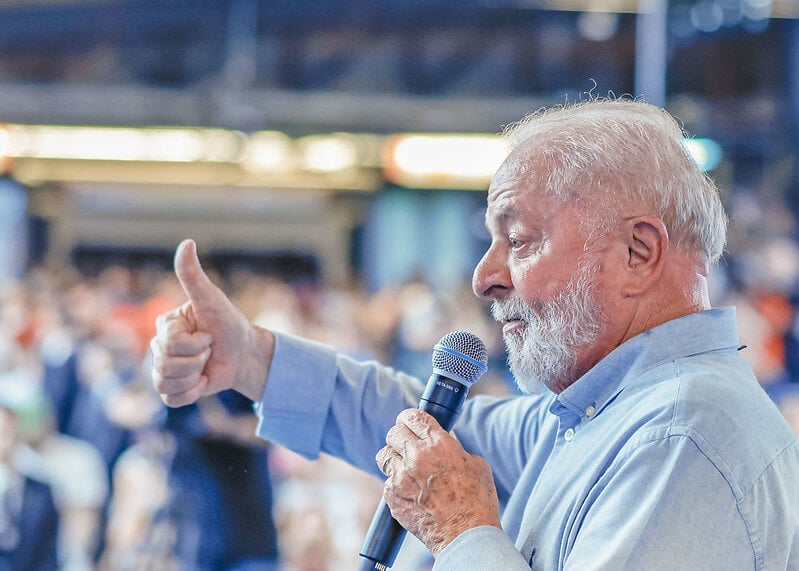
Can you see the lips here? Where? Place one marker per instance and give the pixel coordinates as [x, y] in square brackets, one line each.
[511, 325]
[511, 313]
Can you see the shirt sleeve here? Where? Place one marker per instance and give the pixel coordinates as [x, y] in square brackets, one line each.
[486, 548]
[317, 400]
[652, 510]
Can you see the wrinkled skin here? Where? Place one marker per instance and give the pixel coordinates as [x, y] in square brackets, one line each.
[435, 489]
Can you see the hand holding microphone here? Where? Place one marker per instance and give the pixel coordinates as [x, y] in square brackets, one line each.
[435, 489]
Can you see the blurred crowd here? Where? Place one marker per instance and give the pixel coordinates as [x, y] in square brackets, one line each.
[118, 482]
[126, 483]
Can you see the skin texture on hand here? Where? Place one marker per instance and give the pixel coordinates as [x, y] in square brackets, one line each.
[206, 345]
[435, 489]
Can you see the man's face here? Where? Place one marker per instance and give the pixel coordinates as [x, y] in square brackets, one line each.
[545, 286]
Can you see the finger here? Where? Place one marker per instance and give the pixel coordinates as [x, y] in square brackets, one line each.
[174, 385]
[403, 440]
[187, 397]
[171, 322]
[386, 459]
[170, 366]
[419, 423]
[195, 282]
[174, 337]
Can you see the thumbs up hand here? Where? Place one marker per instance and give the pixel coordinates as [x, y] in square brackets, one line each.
[206, 345]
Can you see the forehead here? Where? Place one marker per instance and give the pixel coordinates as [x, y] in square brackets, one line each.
[514, 192]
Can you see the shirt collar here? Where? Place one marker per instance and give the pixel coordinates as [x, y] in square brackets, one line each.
[693, 334]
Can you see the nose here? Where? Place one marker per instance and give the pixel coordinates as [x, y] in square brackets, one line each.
[491, 279]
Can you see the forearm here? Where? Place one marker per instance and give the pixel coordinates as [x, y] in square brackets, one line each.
[319, 401]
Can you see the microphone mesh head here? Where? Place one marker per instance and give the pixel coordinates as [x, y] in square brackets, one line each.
[461, 356]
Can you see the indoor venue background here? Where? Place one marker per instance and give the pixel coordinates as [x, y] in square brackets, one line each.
[331, 158]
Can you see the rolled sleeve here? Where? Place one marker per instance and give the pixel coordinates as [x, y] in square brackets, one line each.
[294, 405]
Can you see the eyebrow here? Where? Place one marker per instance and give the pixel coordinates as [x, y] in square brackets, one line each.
[502, 212]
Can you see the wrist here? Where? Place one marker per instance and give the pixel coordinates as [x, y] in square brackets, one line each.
[437, 547]
[257, 361]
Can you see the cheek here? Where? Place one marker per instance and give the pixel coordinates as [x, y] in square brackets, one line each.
[540, 279]
[608, 288]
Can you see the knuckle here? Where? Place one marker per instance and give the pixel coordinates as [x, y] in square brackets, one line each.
[175, 326]
[164, 319]
[393, 435]
[174, 346]
[408, 416]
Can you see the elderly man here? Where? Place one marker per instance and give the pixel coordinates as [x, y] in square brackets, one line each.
[645, 442]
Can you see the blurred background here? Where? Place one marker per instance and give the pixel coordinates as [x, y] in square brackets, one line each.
[331, 159]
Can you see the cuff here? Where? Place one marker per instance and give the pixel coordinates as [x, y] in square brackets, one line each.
[485, 547]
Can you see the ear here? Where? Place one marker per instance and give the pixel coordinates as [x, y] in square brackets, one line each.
[647, 242]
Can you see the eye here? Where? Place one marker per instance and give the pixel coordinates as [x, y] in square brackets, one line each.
[514, 241]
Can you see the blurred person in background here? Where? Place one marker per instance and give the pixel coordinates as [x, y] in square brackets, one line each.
[81, 341]
[220, 489]
[77, 475]
[89, 355]
[29, 520]
[646, 442]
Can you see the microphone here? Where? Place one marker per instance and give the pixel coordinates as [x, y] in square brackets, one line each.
[459, 360]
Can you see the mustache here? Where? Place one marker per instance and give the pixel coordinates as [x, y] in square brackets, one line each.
[511, 308]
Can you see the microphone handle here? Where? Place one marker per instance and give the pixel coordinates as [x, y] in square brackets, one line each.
[443, 399]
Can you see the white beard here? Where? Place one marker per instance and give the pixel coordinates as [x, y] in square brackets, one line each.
[543, 350]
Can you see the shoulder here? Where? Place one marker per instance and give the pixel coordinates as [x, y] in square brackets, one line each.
[38, 502]
[715, 402]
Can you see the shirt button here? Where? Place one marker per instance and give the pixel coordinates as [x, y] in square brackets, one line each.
[590, 410]
[569, 434]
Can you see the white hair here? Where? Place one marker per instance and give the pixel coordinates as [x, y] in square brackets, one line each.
[614, 154]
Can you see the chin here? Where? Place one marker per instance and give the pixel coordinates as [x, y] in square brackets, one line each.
[514, 342]
[526, 380]
[538, 373]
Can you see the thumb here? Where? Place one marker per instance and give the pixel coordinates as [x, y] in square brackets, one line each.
[193, 279]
